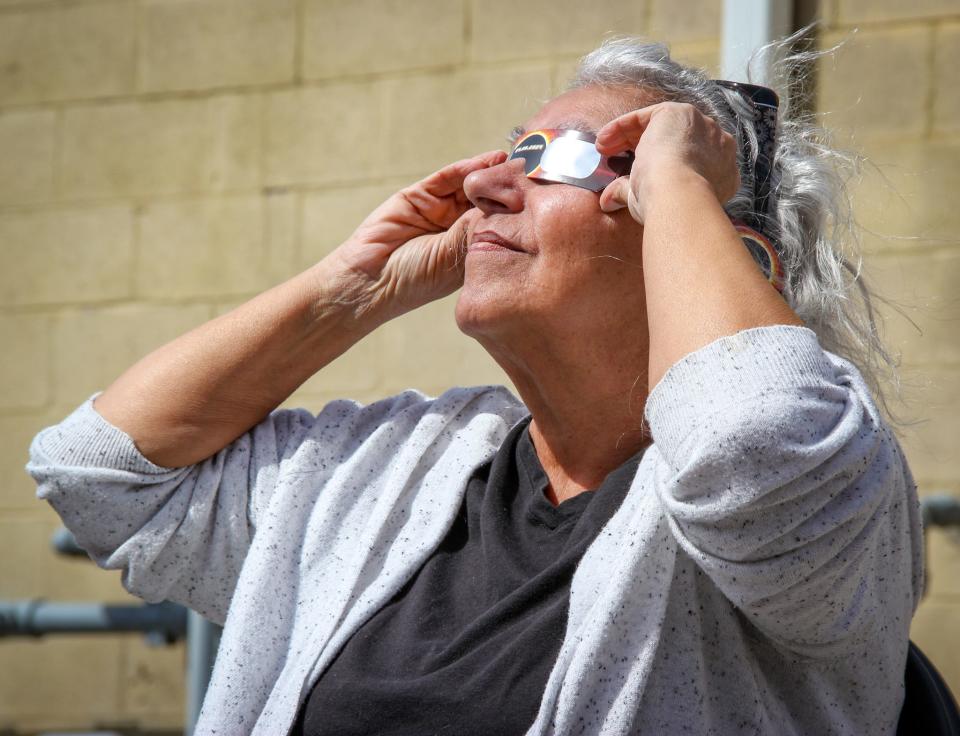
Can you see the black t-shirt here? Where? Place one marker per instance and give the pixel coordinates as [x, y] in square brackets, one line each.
[467, 645]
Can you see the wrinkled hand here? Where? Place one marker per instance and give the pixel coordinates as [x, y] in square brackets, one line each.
[670, 140]
[410, 250]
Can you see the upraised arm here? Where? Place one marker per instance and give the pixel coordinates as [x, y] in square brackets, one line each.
[700, 281]
[193, 396]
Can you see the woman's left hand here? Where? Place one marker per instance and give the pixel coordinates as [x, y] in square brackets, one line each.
[670, 140]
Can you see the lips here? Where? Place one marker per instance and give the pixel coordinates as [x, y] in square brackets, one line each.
[487, 236]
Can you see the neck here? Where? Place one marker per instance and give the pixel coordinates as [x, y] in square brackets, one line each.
[586, 397]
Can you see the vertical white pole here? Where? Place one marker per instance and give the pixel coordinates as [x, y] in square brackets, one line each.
[748, 25]
[203, 640]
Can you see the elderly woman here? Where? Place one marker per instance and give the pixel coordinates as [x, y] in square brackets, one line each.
[694, 521]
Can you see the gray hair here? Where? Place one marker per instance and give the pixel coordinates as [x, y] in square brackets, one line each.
[809, 210]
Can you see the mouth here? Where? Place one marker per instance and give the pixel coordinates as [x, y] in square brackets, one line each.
[491, 241]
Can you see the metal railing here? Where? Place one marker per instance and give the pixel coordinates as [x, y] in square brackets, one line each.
[940, 509]
[162, 624]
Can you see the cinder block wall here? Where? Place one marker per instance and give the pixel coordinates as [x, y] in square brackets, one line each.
[162, 161]
[893, 92]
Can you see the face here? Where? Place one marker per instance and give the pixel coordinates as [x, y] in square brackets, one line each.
[543, 258]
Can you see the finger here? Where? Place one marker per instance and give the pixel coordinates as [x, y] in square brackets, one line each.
[439, 199]
[458, 236]
[623, 133]
[449, 179]
[614, 197]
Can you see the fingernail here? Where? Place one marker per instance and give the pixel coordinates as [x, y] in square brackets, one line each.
[611, 206]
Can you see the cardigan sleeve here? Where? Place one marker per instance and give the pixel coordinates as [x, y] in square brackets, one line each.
[179, 534]
[781, 480]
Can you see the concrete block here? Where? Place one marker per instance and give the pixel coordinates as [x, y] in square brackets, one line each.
[426, 350]
[827, 12]
[946, 92]
[222, 306]
[691, 20]
[923, 286]
[154, 682]
[433, 120]
[41, 683]
[280, 259]
[329, 217]
[202, 44]
[699, 55]
[93, 346]
[323, 135]
[562, 72]
[162, 147]
[24, 373]
[62, 256]
[66, 52]
[504, 30]
[347, 37]
[281, 210]
[18, 492]
[853, 12]
[931, 396]
[936, 630]
[30, 568]
[205, 247]
[357, 372]
[855, 83]
[943, 563]
[26, 156]
[901, 198]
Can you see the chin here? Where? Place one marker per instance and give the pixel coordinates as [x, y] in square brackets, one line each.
[481, 311]
[469, 313]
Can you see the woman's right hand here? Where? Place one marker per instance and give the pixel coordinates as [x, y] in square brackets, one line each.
[410, 250]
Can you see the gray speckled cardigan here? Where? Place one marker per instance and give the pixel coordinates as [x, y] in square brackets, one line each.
[760, 576]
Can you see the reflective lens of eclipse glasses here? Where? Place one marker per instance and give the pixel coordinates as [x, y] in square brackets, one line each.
[569, 157]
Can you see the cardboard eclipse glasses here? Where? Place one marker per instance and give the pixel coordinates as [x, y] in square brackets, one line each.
[569, 157]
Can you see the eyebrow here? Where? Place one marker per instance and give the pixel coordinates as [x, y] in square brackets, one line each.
[574, 124]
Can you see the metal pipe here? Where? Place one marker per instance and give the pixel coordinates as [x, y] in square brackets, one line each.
[940, 509]
[63, 543]
[163, 623]
[203, 636]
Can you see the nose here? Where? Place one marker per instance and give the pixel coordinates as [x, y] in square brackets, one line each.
[497, 189]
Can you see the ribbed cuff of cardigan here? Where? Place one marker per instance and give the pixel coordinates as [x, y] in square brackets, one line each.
[86, 439]
[731, 370]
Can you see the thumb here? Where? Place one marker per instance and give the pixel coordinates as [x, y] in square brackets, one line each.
[615, 196]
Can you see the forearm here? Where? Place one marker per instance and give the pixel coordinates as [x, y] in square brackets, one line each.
[701, 282]
[193, 396]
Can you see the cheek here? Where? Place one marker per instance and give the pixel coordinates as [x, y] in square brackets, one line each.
[588, 257]
[573, 230]
[563, 225]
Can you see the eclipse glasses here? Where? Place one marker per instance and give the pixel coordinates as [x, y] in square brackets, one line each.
[571, 157]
